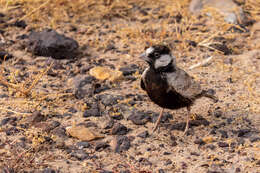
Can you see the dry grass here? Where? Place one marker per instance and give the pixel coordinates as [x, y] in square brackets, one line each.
[134, 35]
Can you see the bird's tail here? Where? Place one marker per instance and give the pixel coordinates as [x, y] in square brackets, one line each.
[210, 94]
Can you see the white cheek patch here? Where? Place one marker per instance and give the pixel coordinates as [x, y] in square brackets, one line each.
[163, 61]
[149, 50]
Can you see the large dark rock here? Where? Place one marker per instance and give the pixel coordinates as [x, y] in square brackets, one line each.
[50, 43]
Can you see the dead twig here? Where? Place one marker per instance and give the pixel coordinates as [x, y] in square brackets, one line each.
[202, 63]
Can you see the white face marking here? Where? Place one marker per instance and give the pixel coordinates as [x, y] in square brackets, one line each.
[144, 73]
[149, 50]
[163, 61]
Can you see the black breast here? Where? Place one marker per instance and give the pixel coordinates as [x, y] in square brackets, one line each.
[156, 88]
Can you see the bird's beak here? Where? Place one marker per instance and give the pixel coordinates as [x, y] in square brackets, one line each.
[144, 57]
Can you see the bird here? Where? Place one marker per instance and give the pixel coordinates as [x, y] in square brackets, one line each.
[169, 86]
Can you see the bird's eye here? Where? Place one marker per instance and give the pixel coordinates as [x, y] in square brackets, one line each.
[156, 55]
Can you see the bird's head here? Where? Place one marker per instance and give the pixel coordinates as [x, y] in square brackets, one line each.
[158, 57]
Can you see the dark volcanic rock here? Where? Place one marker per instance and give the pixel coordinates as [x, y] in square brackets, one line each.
[119, 129]
[5, 56]
[79, 154]
[101, 145]
[49, 170]
[35, 118]
[144, 134]
[50, 43]
[20, 24]
[129, 70]
[122, 144]
[109, 100]
[139, 118]
[93, 111]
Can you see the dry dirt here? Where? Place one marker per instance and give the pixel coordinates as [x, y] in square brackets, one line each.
[223, 137]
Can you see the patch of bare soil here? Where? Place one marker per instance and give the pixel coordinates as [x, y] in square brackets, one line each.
[86, 112]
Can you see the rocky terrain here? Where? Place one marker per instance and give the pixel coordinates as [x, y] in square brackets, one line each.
[70, 90]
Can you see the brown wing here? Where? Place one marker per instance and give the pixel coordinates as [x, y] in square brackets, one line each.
[184, 84]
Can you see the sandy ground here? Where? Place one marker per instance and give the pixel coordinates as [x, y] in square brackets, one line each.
[223, 137]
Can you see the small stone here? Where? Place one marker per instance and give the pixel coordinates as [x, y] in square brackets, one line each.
[139, 118]
[224, 133]
[199, 141]
[254, 139]
[105, 73]
[35, 118]
[243, 132]
[119, 129]
[144, 134]
[167, 153]
[5, 121]
[129, 70]
[109, 100]
[217, 113]
[109, 124]
[121, 143]
[161, 171]
[80, 154]
[20, 24]
[208, 139]
[83, 144]
[194, 154]
[4, 56]
[48, 170]
[168, 162]
[60, 131]
[211, 146]
[92, 112]
[223, 144]
[82, 133]
[101, 145]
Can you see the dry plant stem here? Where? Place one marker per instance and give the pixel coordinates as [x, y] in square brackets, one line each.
[35, 10]
[9, 110]
[21, 89]
[204, 62]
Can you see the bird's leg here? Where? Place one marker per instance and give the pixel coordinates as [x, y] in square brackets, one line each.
[158, 120]
[187, 121]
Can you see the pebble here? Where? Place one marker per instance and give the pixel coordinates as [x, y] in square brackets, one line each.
[223, 133]
[101, 145]
[122, 144]
[83, 144]
[109, 100]
[49, 43]
[139, 118]
[243, 132]
[79, 154]
[94, 111]
[35, 117]
[129, 70]
[161, 171]
[4, 56]
[82, 133]
[144, 134]
[119, 129]
[199, 141]
[106, 73]
[20, 24]
[223, 144]
[49, 170]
